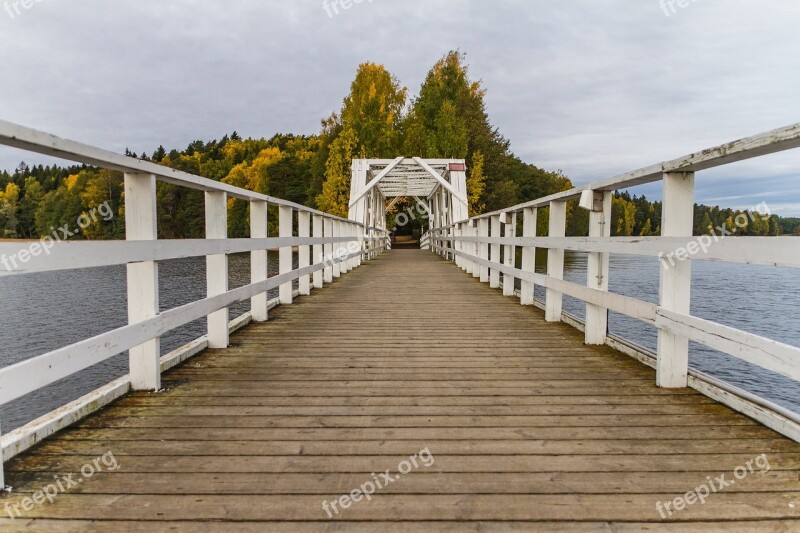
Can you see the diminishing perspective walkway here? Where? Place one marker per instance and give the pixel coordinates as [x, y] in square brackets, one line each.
[527, 428]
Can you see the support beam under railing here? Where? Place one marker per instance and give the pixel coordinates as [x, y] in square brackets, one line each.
[304, 253]
[529, 215]
[597, 270]
[317, 254]
[494, 274]
[285, 229]
[555, 260]
[217, 267]
[510, 255]
[141, 225]
[677, 220]
[259, 266]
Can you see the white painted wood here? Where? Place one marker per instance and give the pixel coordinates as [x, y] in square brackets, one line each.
[510, 254]
[45, 143]
[217, 267]
[337, 249]
[317, 253]
[141, 221]
[638, 309]
[70, 255]
[285, 229]
[771, 142]
[483, 248]
[363, 190]
[328, 247]
[443, 182]
[555, 260]
[258, 259]
[761, 351]
[672, 366]
[529, 215]
[304, 252]
[597, 271]
[494, 252]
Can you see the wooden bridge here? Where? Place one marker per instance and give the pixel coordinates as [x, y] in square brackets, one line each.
[394, 389]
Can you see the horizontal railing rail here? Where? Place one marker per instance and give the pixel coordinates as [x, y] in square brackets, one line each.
[327, 247]
[485, 246]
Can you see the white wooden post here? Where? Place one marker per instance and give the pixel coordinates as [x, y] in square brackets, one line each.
[597, 271]
[344, 230]
[217, 267]
[483, 251]
[494, 275]
[141, 224]
[457, 233]
[510, 253]
[555, 260]
[675, 285]
[328, 247]
[285, 229]
[318, 254]
[337, 249]
[304, 254]
[528, 254]
[258, 259]
[474, 230]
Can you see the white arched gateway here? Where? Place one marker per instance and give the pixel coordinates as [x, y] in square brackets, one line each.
[440, 185]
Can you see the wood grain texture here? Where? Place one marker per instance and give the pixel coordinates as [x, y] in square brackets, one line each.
[530, 428]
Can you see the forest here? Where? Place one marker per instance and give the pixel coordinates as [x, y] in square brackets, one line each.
[378, 119]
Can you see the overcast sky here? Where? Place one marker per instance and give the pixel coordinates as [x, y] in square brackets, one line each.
[592, 87]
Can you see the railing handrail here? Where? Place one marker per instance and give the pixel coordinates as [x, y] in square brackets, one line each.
[40, 142]
[771, 142]
[322, 257]
[476, 243]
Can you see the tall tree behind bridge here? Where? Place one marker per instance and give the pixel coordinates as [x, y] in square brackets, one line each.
[366, 127]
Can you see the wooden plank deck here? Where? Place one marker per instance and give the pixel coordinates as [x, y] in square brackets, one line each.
[528, 428]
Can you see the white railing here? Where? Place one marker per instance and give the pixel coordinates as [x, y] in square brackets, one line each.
[425, 241]
[475, 245]
[327, 247]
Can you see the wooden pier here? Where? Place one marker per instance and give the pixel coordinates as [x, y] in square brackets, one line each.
[529, 428]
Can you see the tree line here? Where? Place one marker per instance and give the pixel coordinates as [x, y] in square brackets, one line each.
[446, 119]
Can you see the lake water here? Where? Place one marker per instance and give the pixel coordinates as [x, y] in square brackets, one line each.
[43, 312]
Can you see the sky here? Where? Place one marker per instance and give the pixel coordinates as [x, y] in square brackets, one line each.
[594, 88]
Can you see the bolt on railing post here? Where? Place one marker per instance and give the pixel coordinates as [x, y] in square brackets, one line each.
[328, 247]
[597, 272]
[217, 267]
[677, 220]
[483, 248]
[494, 274]
[555, 260]
[317, 253]
[259, 268]
[304, 254]
[529, 215]
[141, 224]
[510, 253]
[285, 255]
